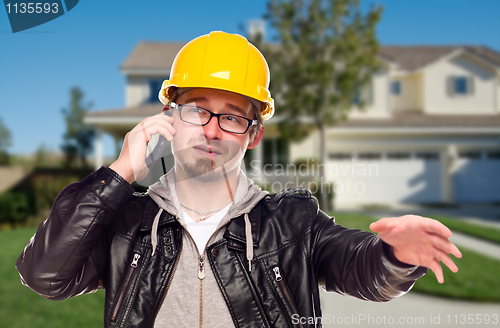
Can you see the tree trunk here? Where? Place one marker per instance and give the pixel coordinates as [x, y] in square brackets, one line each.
[323, 188]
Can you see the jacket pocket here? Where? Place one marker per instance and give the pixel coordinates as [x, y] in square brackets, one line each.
[125, 287]
[284, 294]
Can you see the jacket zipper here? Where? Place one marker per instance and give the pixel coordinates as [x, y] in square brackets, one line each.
[201, 276]
[169, 282]
[130, 271]
[284, 288]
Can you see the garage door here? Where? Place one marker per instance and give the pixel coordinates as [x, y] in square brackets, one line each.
[385, 177]
[476, 176]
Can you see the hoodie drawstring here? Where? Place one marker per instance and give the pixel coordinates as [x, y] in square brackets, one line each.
[248, 236]
[154, 231]
[249, 240]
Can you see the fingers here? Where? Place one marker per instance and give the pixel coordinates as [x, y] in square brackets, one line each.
[438, 271]
[146, 136]
[451, 248]
[436, 227]
[446, 259]
[375, 226]
[157, 124]
[381, 225]
[444, 245]
[166, 132]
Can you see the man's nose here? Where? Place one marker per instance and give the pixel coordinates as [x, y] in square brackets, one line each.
[212, 130]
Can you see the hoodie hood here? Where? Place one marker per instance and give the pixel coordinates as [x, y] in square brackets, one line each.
[247, 195]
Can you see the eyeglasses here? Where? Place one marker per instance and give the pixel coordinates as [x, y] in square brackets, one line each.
[200, 116]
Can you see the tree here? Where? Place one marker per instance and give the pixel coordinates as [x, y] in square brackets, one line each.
[325, 58]
[41, 156]
[78, 137]
[5, 142]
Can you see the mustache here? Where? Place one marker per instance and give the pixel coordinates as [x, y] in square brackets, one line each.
[222, 147]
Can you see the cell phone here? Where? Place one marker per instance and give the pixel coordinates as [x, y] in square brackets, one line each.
[155, 148]
[156, 145]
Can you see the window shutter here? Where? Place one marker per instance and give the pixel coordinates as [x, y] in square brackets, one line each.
[470, 85]
[450, 86]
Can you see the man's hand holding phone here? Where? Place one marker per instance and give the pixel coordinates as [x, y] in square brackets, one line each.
[131, 164]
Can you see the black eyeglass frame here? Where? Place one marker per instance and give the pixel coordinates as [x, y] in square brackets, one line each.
[172, 105]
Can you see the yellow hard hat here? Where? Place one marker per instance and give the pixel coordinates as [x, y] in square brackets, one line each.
[221, 61]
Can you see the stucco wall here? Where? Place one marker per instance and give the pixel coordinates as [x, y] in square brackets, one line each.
[136, 91]
[411, 95]
[437, 99]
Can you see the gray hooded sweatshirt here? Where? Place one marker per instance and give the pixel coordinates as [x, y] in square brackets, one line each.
[191, 301]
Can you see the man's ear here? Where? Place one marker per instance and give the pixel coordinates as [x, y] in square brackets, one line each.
[257, 139]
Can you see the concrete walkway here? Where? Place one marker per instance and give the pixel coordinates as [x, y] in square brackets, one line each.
[410, 310]
[481, 246]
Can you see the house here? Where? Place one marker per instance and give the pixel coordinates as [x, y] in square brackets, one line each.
[430, 132]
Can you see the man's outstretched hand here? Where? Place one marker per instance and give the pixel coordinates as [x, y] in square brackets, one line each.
[419, 241]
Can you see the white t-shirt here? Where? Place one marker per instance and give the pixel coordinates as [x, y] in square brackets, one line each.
[203, 230]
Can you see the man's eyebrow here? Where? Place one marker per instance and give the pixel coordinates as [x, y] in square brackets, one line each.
[238, 109]
[229, 106]
[195, 99]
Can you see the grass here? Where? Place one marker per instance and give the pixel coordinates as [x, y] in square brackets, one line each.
[477, 278]
[487, 233]
[20, 307]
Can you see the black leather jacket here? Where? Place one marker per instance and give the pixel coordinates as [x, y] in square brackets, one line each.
[98, 235]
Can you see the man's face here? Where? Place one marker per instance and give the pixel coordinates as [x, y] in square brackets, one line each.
[200, 151]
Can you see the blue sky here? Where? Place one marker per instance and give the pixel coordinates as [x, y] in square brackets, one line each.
[86, 46]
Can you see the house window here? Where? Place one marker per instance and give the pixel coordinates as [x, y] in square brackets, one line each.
[370, 156]
[396, 88]
[470, 154]
[340, 156]
[275, 151]
[398, 156]
[427, 156]
[363, 96]
[495, 155]
[154, 89]
[460, 85]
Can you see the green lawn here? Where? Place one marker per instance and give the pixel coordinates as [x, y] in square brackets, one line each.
[478, 276]
[20, 307]
[487, 233]
[477, 279]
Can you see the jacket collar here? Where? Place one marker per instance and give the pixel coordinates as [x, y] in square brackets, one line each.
[235, 231]
[149, 214]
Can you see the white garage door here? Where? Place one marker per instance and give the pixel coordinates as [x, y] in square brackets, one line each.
[385, 177]
[476, 176]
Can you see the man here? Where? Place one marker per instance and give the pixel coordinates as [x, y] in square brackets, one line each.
[205, 246]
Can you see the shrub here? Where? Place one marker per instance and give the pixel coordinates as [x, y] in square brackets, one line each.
[46, 187]
[14, 207]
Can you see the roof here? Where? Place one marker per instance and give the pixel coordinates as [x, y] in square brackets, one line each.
[141, 111]
[152, 55]
[415, 119]
[160, 55]
[415, 57]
